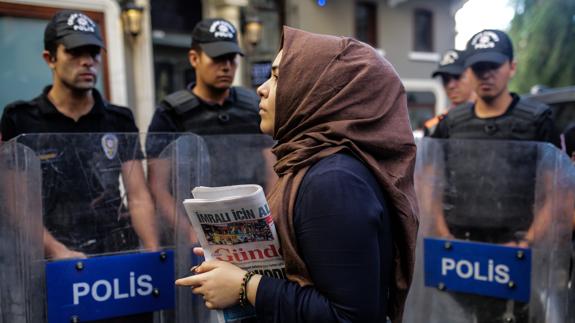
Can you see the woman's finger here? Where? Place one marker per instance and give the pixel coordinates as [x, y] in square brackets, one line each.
[198, 291]
[188, 281]
[199, 251]
[207, 266]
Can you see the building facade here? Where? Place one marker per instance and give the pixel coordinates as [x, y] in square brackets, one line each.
[411, 34]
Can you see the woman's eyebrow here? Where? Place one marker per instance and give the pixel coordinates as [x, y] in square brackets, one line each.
[275, 69]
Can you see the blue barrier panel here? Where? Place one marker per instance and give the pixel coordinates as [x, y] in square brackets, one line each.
[110, 286]
[478, 268]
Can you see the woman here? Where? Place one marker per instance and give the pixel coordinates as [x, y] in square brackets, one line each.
[344, 203]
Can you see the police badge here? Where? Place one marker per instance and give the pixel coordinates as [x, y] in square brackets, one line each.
[110, 145]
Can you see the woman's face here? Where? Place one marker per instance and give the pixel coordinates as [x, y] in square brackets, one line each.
[267, 93]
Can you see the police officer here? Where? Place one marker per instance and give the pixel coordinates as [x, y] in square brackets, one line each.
[207, 107]
[455, 82]
[83, 207]
[211, 105]
[73, 47]
[497, 114]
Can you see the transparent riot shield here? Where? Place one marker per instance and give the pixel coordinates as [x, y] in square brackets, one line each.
[104, 260]
[21, 275]
[223, 160]
[177, 162]
[495, 232]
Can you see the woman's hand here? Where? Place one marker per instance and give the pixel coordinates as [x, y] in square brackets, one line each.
[219, 282]
[198, 251]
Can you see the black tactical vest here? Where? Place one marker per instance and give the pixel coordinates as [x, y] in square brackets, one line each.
[520, 123]
[489, 193]
[239, 114]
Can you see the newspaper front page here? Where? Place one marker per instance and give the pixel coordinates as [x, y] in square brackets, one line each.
[234, 224]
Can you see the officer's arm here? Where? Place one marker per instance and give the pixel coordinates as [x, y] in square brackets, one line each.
[546, 130]
[140, 203]
[54, 249]
[13, 213]
[431, 196]
[159, 174]
[545, 218]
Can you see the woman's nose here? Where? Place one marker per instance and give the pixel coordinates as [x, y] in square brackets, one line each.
[262, 89]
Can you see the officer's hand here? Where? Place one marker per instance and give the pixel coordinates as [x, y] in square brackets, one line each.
[520, 244]
[65, 253]
[151, 247]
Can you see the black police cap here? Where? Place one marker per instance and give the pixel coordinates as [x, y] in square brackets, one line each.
[72, 29]
[490, 46]
[216, 37]
[451, 63]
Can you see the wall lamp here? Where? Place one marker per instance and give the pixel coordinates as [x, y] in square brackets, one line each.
[132, 16]
[253, 30]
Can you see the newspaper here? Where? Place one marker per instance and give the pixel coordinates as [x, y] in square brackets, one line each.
[234, 224]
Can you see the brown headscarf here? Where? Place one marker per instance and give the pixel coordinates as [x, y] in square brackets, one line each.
[337, 94]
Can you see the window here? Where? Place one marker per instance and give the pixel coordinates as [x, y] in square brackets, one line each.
[423, 30]
[179, 16]
[366, 22]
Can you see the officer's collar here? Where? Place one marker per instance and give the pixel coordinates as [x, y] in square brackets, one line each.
[227, 101]
[515, 99]
[47, 107]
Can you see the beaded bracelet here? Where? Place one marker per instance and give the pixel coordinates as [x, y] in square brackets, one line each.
[244, 288]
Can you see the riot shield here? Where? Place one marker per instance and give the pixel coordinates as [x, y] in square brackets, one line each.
[104, 260]
[177, 162]
[495, 231]
[21, 276]
[224, 160]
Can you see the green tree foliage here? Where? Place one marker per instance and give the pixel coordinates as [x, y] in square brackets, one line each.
[543, 33]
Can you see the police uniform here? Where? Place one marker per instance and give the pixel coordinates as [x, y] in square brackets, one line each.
[83, 207]
[524, 120]
[82, 203]
[183, 111]
[476, 217]
[480, 202]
